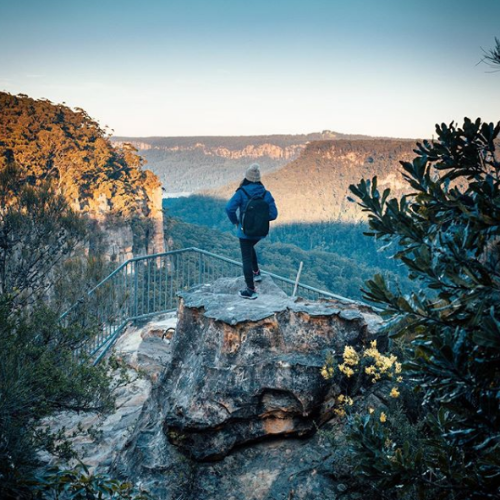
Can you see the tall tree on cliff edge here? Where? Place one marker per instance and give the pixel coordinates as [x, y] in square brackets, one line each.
[448, 235]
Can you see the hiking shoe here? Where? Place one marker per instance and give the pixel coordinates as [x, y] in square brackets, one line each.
[257, 276]
[248, 293]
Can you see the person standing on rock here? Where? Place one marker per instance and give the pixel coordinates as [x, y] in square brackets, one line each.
[256, 208]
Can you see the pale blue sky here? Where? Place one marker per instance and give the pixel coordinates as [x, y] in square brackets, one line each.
[194, 67]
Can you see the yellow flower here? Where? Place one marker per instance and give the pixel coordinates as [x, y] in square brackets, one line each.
[349, 401]
[341, 398]
[399, 379]
[383, 417]
[385, 363]
[370, 370]
[398, 368]
[373, 344]
[394, 393]
[371, 410]
[346, 370]
[371, 353]
[324, 373]
[340, 412]
[351, 357]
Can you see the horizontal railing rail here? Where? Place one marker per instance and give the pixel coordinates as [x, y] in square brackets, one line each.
[148, 285]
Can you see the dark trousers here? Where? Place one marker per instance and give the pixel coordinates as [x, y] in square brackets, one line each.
[249, 259]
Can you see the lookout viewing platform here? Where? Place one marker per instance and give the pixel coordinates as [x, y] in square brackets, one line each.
[144, 287]
[224, 395]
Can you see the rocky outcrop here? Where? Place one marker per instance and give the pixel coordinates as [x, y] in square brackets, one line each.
[236, 410]
[229, 406]
[245, 371]
[99, 439]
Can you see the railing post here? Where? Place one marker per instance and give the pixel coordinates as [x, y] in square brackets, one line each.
[136, 286]
[200, 263]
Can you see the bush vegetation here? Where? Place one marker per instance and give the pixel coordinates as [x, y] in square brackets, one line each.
[448, 235]
[49, 256]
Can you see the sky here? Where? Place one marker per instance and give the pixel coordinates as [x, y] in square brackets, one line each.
[233, 67]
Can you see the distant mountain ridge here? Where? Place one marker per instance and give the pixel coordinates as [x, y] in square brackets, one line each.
[315, 186]
[191, 164]
[238, 142]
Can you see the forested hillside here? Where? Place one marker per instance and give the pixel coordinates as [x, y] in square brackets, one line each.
[339, 273]
[53, 143]
[191, 164]
[315, 187]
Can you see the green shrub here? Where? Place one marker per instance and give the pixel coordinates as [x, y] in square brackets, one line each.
[80, 484]
[448, 235]
[40, 376]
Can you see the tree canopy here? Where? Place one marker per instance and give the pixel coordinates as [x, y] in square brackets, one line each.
[54, 142]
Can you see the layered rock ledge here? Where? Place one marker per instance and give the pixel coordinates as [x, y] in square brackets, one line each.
[243, 371]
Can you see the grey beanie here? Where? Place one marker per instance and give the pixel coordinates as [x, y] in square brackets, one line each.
[252, 173]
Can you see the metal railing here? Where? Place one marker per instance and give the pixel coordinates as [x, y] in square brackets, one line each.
[145, 286]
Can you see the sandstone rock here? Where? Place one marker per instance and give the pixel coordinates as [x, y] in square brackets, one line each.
[144, 356]
[243, 371]
[235, 412]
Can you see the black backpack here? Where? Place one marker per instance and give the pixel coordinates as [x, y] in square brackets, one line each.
[255, 216]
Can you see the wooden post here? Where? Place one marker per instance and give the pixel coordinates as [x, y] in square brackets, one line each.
[297, 280]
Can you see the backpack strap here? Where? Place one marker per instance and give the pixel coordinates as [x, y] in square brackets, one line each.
[252, 197]
[248, 201]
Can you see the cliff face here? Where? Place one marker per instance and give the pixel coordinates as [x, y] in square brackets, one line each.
[54, 143]
[249, 151]
[191, 164]
[156, 215]
[315, 186]
[270, 351]
[199, 166]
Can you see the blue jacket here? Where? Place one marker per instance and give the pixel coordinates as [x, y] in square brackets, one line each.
[239, 201]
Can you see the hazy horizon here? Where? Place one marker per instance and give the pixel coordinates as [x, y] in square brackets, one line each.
[116, 136]
[192, 69]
